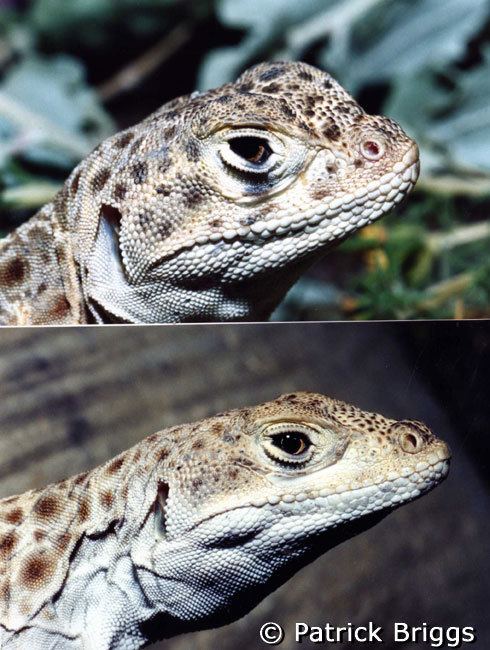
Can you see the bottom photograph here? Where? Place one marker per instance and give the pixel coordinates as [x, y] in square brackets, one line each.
[244, 486]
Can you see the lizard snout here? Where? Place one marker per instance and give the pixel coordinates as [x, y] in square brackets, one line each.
[414, 437]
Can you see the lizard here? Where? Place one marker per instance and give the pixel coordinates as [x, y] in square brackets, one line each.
[194, 525]
[210, 208]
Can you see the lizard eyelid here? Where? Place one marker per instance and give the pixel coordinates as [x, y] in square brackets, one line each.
[253, 152]
[289, 444]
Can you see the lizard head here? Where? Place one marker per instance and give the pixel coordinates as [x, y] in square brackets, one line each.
[267, 489]
[228, 195]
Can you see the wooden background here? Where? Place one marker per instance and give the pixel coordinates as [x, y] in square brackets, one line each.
[71, 398]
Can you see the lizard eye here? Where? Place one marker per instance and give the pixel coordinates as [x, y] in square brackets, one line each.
[253, 150]
[248, 152]
[289, 443]
[293, 443]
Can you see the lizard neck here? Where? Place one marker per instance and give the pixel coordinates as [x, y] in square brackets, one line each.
[38, 279]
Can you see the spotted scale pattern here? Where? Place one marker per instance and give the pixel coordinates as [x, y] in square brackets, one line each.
[172, 220]
[185, 525]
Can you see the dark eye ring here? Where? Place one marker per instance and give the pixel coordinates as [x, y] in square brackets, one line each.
[293, 443]
[252, 149]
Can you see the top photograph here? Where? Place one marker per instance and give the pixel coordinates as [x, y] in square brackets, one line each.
[173, 161]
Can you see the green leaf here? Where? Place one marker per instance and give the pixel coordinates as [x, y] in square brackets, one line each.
[265, 23]
[51, 114]
[414, 35]
[465, 133]
[96, 21]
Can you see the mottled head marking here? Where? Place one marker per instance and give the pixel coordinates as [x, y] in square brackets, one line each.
[242, 486]
[283, 159]
[285, 140]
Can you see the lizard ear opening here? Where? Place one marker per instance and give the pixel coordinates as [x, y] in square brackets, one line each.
[160, 514]
[112, 216]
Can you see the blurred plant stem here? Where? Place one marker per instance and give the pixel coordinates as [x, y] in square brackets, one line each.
[439, 242]
[131, 75]
[29, 196]
[450, 185]
[438, 294]
[337, 19]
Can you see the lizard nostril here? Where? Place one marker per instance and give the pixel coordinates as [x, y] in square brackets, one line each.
[372, 149]
[410, 442]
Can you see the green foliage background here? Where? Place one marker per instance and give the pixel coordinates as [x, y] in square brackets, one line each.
[73, 71]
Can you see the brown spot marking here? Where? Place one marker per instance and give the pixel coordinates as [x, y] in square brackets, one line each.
[245, 87]
[358, 162]
[15, 516]
[14, 272]
[125, 491]
[320, 193]
[47, 507]
[224, 99]
[83, 510]
[165, 227]
[39, 535]
[272, 88]
[63, 541]
[106, 499]
[233, 473]
[7, 544]
[307, 76]
[192, 150]
[145, 219]
[80, 478]
[198, 444]
[123, 140]
[153, 437]
[137, 455]
[217, 428]
[115, 466]
[216, 223]
[271, 73]
[332, 132]
[139, 172]
[5, 591]
[163, 190]
[169, 132]
[62, 200]
[120, 191]
[11, 499]
[76, 182]
[287, 111]
[60, 308]
[37, 570]
[194, 197]
[100, 179]
[170, 113]
[161, 454]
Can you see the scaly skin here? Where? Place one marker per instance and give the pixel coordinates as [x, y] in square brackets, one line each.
[193, 526]
[209, 209]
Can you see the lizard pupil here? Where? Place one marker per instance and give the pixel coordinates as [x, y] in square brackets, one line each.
[250, 148]
[294, 443]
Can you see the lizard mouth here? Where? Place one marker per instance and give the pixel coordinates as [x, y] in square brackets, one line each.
[312, 229]
[388, 493]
